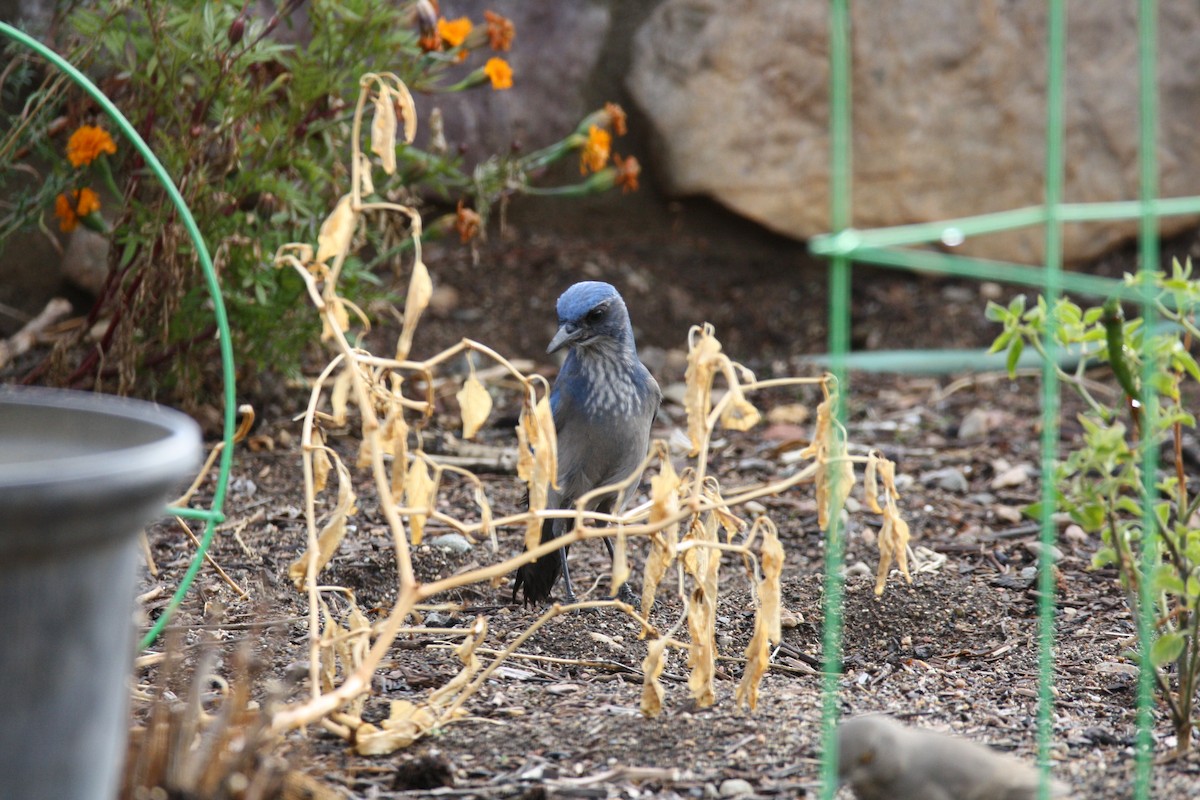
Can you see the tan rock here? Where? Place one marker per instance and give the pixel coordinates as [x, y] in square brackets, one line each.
[948, 117]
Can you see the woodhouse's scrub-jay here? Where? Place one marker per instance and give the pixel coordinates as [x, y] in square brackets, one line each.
[604, 401]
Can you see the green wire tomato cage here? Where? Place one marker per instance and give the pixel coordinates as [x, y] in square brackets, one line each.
[213, 515]
[888, 247]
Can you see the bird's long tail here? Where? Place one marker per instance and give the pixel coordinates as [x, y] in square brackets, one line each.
[537, 578]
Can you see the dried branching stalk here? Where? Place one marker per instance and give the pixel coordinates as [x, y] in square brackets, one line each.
[690, 522]
[220, 748]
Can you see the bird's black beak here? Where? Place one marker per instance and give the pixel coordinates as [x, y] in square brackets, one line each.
[567, 333]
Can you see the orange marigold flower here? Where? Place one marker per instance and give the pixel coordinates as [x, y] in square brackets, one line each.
[429, 42]
[595, 150]
[499, 72]
[70, 209]
[616, 116]
[628, 170]
[454, 31]
[467, 223]
[87, 143]
[500, 31]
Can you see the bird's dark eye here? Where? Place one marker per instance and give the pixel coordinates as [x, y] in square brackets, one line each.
[595, 315]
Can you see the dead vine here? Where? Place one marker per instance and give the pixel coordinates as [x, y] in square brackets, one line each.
[690, 521]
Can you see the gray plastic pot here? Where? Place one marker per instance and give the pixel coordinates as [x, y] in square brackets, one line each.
[80, 475]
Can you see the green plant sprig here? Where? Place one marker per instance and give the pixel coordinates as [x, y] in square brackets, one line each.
[1100, 483]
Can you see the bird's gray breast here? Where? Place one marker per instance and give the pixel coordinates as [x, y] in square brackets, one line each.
[605, 432]
[612, 391]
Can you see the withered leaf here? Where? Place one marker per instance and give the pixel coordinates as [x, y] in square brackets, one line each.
[420, 290]
[340, 395]
[337, 230]
[664, 504]
[893, 547]
[703, 361]
[383, 129]
[475, 404]
[758, 656]
[406, 723]
[870, 484]
[419, 492]
[321, 465]
[334, 531]
[652, 669]
[408, 110]
[739, 414]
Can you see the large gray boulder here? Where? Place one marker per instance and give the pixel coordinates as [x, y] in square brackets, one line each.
[949, 109]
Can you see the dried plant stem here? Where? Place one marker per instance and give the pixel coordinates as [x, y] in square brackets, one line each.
[343, 658]
[241, 593]
[549, 614]
[310, 516]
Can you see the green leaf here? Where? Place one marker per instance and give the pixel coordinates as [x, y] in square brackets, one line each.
[1104, 557]
[1166, 579]
[1183, 362]
[1069, 313]
[1167, 648]
[1129, 506]
[1001, 341]
[995, 312]
[1014, 355]
[1090, 516]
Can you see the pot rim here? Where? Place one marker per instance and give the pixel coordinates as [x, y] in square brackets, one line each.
[169, 454]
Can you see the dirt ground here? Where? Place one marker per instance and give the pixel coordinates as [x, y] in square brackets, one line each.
[954, 651]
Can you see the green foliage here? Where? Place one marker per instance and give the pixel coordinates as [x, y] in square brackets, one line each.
[1102, 484]
[252, 121]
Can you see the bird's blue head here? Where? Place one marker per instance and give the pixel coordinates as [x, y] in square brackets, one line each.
[591, 313]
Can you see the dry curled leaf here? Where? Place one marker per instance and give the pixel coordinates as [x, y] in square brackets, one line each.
[893, 547]
[770, 591]
[835, 472]
[419, 492]
[546, 452]
[339, 396]
[823, 430]
[336, 231]
[335, 528]
[527, 470]
[704, 565]
[245, 422]
[664, 504]
[408, 109]
[767, 625]
[406, 723]
[393, 435]
[366, 185]
[321, 465]
[758, 657]
[739, 414]
[383, 129]
[335, 317]
[703, 361]
[652, 669]
[420, 290]
[475, 404]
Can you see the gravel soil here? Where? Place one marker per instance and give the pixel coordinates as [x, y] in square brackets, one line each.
[954, 651]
